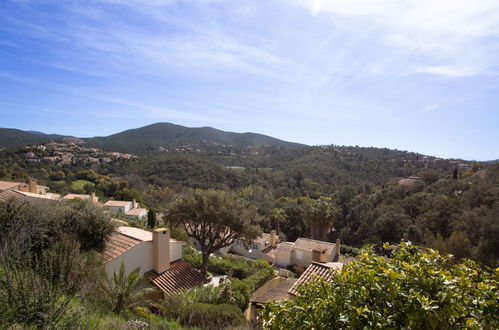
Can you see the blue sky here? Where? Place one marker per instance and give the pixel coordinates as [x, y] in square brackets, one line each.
[413, 75]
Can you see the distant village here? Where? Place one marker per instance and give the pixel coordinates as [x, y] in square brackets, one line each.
[69, 151]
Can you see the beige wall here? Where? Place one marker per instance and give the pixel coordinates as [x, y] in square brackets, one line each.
[141, 256]
[138, 256]
[175, 251]
[283, 259]
[304, 261]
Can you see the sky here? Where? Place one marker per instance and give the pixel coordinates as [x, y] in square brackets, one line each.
[416, 75]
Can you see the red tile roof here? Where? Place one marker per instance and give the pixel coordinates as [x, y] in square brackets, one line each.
[314, 271]
[8, 195]
[276, 294]
[117, 245]
[179, 277]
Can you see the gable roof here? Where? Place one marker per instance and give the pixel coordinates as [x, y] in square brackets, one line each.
[308, 244]
[51, 196]
[80, 196]
[314, 271]
[276, 294]
[285, 247]
[139, 234]
[8, 195]
[6, 185]
[136, 211]
[180, 276]
[117, 203]
[118, 244]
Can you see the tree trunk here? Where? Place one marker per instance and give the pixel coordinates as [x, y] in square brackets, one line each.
[204, 263]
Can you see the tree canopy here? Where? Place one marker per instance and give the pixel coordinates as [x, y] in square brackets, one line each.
[214, 219]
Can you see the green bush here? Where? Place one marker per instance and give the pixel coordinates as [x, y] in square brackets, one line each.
[413, 289]
[207, 316]
[28, 299]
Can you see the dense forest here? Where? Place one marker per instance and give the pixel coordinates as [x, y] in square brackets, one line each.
[450, 205]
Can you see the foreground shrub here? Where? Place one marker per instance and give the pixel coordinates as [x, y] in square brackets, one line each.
[412, 289]
[28, 299]
[207, 316]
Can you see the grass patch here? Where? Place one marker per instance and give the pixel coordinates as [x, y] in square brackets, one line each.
[79, 184]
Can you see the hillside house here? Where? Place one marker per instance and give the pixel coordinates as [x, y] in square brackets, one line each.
[282, 288]
[25, 191]
[131, 210]
[301, 252]
[153, 252]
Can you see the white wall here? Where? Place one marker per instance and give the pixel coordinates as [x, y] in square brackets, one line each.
[175, 251]
[138, 256]
[141, 256]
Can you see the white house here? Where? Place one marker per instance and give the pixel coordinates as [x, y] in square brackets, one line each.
[301, 252]
[131, 210]
[153, 252]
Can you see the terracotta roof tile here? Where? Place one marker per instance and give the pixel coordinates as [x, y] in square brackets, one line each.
[6, 185]
[276, 294]
[117, 245]
[8, 195]
[314, 271]
[179, 277]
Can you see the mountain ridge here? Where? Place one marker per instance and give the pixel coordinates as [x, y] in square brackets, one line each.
[151, 137]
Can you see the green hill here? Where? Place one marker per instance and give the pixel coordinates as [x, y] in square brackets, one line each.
[10, 137]
[149, 138]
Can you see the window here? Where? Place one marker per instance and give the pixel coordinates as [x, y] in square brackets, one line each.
[299, 254]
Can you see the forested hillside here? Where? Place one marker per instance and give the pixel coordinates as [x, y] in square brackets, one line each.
[149, 138]
[447, 204]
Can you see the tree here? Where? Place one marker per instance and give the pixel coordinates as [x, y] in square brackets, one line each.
[279, 216]
[214, 219]
[122, 292]
[455, 174]
[151, 219]
[321, 215]
[413, 289]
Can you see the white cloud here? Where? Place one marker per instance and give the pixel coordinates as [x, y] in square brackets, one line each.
[451, 32]
[445, 70]
[430, 107]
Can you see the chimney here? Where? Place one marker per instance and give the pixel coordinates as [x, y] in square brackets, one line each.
[161, 249]
[134, 204]
[93, 198]
[32, 186]
[273, 238]
[338, 247]
[319, 254]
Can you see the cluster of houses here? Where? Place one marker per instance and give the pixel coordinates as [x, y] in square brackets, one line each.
[160, 257]
[69, 151]
[31, 191]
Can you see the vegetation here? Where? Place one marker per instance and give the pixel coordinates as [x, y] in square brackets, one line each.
[124, 291]
[413, 289]
[214, 219]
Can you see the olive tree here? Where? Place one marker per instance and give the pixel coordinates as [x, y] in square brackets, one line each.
[214, 219]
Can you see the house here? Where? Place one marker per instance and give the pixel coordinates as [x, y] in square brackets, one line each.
[301, 253]
[304, 251]
[94, 199]
[260, 248]
[153, 252]
[26, 191]
[281, 288]
[8, 185]
[131, 210]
